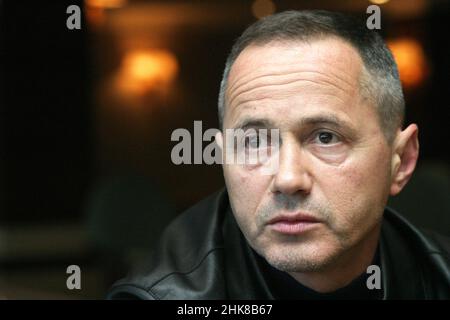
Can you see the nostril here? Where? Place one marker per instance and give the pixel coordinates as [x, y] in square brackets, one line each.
[291, 182]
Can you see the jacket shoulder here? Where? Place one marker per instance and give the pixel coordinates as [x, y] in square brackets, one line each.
[189, 249]
[432, 252]
[442, 241]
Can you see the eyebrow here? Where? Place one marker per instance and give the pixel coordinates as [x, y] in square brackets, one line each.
[246, 123]
[327, 119]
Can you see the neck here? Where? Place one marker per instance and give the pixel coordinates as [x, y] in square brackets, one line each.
[343, 271]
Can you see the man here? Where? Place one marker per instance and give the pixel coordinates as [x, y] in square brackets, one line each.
[313, 227]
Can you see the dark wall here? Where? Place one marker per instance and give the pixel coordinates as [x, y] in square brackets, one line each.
[46, 124]
[47, 143]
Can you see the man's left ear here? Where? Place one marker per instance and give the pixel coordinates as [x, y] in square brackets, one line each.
[219, 140]
[404, 157]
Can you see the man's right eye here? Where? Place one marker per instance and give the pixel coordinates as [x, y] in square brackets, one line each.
[325, 137]
[252, 142]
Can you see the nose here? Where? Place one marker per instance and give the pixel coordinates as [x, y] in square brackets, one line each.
[293, 171]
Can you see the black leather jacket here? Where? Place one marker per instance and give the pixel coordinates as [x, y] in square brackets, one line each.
[203, 255]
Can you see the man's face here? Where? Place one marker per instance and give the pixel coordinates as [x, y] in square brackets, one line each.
[334, 173]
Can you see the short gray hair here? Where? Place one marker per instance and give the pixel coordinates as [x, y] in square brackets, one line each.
[380, 82]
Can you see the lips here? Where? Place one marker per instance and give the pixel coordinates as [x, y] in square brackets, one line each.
[293, 224]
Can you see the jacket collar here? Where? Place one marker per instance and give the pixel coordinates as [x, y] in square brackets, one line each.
[402, 276]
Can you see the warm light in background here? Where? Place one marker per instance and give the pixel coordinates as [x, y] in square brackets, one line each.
[411, 60]
[379, 1]
[262, 8]
[145, 70]
[105, 4]
[95, 10]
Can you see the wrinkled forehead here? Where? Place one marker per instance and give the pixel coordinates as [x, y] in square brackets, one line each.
[323, 52]
[327, 66]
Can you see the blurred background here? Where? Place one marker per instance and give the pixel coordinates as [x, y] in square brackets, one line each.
[86, 118]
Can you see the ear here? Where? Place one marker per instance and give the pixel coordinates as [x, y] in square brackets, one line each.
[219, 140]
[220, 143]
[404, 157]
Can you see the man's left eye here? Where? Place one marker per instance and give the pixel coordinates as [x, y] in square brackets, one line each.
[326, 137]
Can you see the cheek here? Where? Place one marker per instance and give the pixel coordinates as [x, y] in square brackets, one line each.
[356, 191]
[246, 190]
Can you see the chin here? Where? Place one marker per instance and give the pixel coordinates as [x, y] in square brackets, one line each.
[304, 258]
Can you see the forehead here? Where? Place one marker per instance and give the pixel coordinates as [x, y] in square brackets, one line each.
[323, 72]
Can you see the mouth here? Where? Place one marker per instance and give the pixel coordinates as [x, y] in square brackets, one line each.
[293, 224]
